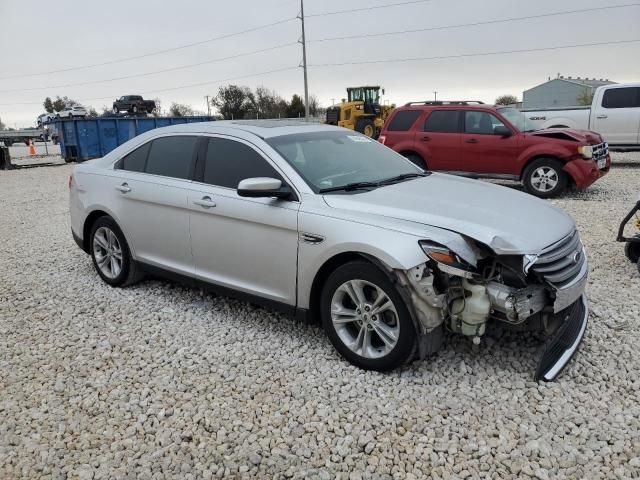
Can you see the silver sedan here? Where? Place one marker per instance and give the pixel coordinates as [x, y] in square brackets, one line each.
[330, 226]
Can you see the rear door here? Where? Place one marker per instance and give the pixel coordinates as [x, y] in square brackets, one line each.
[399, 132]
[247, 244]
[438, 142]
[151, 201]
[484, 151]
[617, 118]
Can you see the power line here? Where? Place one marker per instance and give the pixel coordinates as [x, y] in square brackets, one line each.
[151, 54]
[375, 7]
[480, 54]
[164, 70]
[180, 87]
[474, 24]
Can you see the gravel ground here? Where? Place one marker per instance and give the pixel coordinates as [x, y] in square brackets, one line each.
[159, 381]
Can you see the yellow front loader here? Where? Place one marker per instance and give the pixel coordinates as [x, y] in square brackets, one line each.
[360, 111]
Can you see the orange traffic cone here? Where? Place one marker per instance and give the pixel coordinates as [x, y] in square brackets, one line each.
[32, 149]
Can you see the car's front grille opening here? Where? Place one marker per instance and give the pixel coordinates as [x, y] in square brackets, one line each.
[560, 263]
[600, 151]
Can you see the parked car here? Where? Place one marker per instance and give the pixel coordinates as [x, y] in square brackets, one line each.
[133, 104]
[71, 112]
[45, 118]
[483, 141]
[614, 114]
[326, 223]
[632, 242]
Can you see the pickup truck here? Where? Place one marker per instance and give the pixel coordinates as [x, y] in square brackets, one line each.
[614, 114]
[133, 104]
[9, 137]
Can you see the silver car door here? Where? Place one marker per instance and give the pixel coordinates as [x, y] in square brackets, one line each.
[247, 244]
[152, 204]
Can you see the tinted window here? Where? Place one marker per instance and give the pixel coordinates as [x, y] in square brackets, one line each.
[402, 120]
[481, 123]
[442, 121]
[134, 162]
[171, 156]
[228, 162]
[621, 98]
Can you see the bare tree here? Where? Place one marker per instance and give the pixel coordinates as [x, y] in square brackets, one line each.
[506, 100]
[180, 110]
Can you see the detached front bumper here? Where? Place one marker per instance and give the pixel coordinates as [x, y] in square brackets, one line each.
[565, 341]
[586, 172]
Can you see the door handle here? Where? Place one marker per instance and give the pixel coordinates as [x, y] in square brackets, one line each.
[124, 188]
[602, 117]
[426, 139]
[205, 202]
[471, 140]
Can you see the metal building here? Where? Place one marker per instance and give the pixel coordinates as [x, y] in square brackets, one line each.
[561, 92]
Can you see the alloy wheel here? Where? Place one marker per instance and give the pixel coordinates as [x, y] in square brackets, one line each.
[365, 318]
[544, 179]
[107, 252]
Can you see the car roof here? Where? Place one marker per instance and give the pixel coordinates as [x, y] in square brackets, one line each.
[261, 128]
[449, 106]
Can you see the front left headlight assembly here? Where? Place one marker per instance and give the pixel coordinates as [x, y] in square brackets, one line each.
[447, 260]
[586, 151]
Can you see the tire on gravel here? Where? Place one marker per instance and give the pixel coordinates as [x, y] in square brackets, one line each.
[130, 272]
[406, 344]
[545, 166]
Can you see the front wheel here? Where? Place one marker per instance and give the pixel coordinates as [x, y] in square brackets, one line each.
[545, 178]
[632, 250]
[110, 253]
[115, 110]
[366, 319]
[416, 160]
[366, 127]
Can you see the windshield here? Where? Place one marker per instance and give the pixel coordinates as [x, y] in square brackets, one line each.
[518, 119]
[335, 159]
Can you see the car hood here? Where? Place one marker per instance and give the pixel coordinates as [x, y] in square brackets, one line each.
[507, 221]
[569, 134]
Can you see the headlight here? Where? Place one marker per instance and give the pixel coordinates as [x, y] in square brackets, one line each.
[447, 260]
[586, 151]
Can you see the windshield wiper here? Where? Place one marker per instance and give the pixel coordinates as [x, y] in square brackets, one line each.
[350, 186]
[404, 176]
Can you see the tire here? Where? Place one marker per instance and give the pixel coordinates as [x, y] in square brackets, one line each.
[545, 178]
[106, 235]
[395, 321]
[366, 127]
[416, 160]
[632, 251]
[115, 110]
[8, 143]
[134, 109]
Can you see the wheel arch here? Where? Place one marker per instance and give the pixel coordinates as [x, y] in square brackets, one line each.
[88, 223]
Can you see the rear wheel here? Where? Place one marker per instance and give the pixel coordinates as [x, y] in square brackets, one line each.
[416, 159]
[545, 178]
[632, 250]
[366, 319]
[111, 255]
[366, 127]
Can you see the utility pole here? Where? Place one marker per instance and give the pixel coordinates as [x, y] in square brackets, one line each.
[208, 105]
[304, 63]
[435, 96]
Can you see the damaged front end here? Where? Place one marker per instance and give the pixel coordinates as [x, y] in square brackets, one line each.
[542, 292]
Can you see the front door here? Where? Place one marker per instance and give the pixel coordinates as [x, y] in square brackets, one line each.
[247, 244]
[482, 150]
[617, 119]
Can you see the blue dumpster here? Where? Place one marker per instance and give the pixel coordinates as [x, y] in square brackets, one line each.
[95, 137]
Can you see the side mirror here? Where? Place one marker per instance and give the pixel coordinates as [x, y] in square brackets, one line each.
[261, 187]
[502, 130]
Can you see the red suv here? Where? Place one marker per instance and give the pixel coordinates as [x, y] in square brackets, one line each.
[483, 141]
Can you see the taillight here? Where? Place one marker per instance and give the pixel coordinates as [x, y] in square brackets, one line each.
[70, 181]
[382, 139]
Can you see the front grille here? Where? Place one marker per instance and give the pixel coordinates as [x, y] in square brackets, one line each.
[561, 263]
[600, 151]
[333, 115]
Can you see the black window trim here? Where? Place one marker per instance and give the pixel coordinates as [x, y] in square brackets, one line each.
[198, 176]
[401, 110]
[460, 120]
[464, 122]
[637, 97]
[192, 166]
